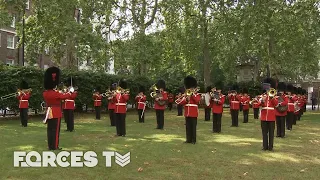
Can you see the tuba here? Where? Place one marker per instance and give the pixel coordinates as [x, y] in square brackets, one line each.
[156, 94]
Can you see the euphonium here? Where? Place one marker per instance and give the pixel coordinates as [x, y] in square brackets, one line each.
[272, 92]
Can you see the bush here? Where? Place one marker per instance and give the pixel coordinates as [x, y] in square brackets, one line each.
[85, 81]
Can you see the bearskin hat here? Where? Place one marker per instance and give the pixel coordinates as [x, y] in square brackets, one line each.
[235, 87]
[190, 82]
[218, 85]
[245, 90]
[290, 88]
[142, 89]
[208, 89]
[295, 90]
[98, 89]
[123, 84]
[282, 86]
[51, 78]
[269, 83]
[161, 84]
[304, 92]
[113, 86]
[299, 90]
[24, 85]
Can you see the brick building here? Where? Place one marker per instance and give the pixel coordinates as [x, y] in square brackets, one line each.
[10, 54]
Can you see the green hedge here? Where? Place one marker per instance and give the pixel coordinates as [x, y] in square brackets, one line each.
[86, 81]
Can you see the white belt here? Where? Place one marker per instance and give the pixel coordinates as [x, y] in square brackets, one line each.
[270, 108]
[141, 102]
[69, 100]
[24, 100]
[194, 105]
[235, 101]
[290, 103]
[121, 104]
[97, 100]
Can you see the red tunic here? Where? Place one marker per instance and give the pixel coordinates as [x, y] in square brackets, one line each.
[170, 98]
[217, 107]
[24, 100]
[291, 102]
[164, 98]
[191, 107]
[53, 99]
[141, 101]
[69, 103]
[97, 99]
[284, 103]
[111, 103]
[245, 102]
[268, 112]
[121, 103]
[234, 101]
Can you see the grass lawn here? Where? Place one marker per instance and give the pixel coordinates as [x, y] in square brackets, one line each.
[234, 154]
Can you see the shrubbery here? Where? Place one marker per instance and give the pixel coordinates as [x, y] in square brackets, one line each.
[85, 81]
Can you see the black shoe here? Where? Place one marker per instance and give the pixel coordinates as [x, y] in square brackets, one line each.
[263, 149]
[277, 136]
[186, 142]
[270, 149]
[123, 135]
[193, 142]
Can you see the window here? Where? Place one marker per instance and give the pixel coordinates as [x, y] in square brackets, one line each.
[10, 62]
[45, 67]
[10, 41]
[28, 5]
[13, 24]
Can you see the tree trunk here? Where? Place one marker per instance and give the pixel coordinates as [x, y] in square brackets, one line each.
[206, 57]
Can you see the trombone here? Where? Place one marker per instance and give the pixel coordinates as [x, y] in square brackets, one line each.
[16, 93]
[122, 91]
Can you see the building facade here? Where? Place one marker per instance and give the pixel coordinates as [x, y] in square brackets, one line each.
[10, 53]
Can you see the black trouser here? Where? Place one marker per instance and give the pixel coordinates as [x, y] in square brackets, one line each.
[216, 125]
[267, 133]
[53, 133]
[111, 116]
[170, 106]
[69, 117]
[234, 116]
[141, 116]
[305, 108]
[98, 112]
[24, 116]
[180, 110]
[295, 117]
[160, 118]
[256, 113]
[191, 129]
[120, 120]
[300, 114]
[289, 120]
[245, 116]
[281, 130]
[207, 112]
[313, 106]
